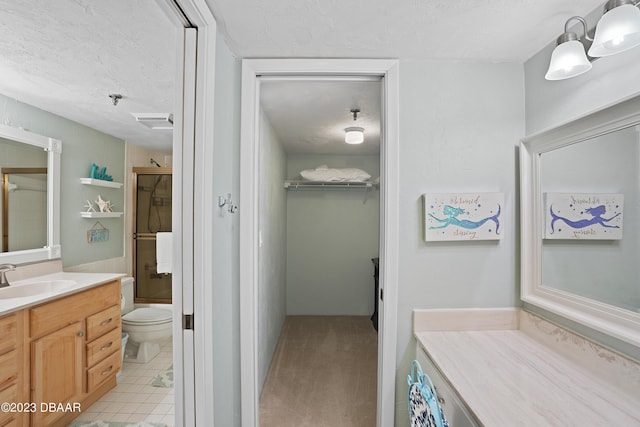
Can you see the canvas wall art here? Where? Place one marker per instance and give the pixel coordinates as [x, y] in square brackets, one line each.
[592, 216]
[463, 216]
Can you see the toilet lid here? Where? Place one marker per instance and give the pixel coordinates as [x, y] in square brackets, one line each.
[147, 315]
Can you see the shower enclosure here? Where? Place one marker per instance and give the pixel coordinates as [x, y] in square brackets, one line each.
[152, 214]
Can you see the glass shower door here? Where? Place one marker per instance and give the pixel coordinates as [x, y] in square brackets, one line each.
[152, 206]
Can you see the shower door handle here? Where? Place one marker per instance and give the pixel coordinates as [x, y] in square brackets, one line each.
[144, 236]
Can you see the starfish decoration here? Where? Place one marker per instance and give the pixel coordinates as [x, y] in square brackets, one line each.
[89, 207]
[104, 205]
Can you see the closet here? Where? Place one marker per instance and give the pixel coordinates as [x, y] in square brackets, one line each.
[317, 240]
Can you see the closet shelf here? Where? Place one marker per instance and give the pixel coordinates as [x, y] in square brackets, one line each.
[300, 184]
[100, 183]
[101, 214]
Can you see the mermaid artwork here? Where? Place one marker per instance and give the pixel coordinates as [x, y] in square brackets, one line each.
[452, 219]
[596, 218]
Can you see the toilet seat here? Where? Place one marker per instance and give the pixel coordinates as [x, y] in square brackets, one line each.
[147, 316]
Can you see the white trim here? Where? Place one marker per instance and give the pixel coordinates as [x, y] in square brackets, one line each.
[613, 321]
[249, 187]
[198, 205]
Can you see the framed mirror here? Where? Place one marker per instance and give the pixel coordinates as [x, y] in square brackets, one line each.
[580, 204]
[30, 201]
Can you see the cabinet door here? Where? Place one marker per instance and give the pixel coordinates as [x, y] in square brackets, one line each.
[57, 367]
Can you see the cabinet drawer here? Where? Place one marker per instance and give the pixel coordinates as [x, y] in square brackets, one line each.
[8, 333]
[101, 347]
[103, 371]
[9, 394]
[8, 368]
[101, 323]
[54, 315]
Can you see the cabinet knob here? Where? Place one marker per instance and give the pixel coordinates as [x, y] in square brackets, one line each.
[80, 334]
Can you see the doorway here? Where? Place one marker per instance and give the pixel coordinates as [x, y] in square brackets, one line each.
[251, 231]
[316, 290]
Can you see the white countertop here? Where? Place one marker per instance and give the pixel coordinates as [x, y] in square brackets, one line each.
[83, 281]
[507, 378]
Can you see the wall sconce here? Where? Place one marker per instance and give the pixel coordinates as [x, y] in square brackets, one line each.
[618, 30]
[354, 135]
[568, 58]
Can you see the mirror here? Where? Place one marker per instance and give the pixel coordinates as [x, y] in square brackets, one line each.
[30, 202]
[580, 204]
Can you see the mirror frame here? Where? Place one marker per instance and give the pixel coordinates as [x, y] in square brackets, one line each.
[53, 147]
[614, 321]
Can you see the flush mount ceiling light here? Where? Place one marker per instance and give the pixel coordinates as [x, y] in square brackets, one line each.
[618, 30]
[354, 135]
[155, 121]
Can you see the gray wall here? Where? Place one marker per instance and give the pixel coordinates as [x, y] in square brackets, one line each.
[460, 124]
[226, 262]
[331, 237]
[272, 253]
[81, 146]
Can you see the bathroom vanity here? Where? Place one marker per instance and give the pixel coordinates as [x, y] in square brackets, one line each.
[508, 367]
[60, 346]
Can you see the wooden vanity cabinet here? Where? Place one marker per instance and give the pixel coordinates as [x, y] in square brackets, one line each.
[75, 351]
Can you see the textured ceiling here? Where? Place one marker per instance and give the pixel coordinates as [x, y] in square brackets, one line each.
[479, 30]
[311, 116]
[67, 56]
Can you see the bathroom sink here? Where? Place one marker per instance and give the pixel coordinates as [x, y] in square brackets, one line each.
[35, 288]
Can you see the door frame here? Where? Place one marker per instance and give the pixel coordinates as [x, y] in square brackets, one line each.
[193, 209]
[249, 218]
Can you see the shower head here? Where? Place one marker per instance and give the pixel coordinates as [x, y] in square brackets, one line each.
[153, 162]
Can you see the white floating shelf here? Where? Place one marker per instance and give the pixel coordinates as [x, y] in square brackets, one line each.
[101, 214]
[100, 182]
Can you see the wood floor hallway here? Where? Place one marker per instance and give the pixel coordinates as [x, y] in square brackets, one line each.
[323, 374]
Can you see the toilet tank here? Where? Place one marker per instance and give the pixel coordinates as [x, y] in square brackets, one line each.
[126, 294]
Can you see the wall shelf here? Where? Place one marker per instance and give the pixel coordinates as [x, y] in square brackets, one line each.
[100, 183]
[365, 186]
[101, 214]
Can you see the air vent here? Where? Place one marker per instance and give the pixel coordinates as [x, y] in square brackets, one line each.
[156, 121]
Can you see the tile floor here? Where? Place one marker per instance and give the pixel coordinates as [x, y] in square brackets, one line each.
[135, 399]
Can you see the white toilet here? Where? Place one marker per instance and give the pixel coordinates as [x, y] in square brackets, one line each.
[145, 326]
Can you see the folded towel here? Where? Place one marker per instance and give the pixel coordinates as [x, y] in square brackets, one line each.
[164, 252]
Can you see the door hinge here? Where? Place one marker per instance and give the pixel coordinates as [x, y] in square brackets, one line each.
[187, 321]
[381, 294]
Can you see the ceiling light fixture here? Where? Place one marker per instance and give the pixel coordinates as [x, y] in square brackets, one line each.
[354, 135]
[568, 58]
[618, 30]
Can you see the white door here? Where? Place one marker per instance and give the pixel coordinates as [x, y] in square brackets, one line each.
[183, 229]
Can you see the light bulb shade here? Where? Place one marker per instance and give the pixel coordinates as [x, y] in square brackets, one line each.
[568, 60]
[354, 135]
[618, 30]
